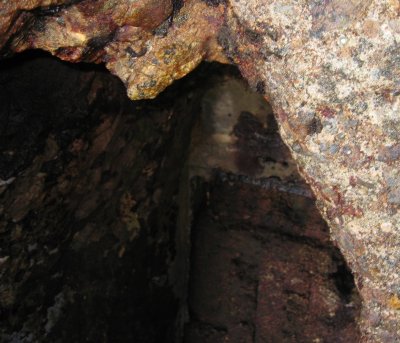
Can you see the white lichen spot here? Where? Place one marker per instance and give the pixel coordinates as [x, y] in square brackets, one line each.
[343, 40]
[386, 227]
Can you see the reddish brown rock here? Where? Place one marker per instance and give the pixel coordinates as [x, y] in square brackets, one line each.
[329, 68]
[263, 266]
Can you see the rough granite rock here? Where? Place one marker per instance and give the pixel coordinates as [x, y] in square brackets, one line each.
[330, 69]
[331, 72]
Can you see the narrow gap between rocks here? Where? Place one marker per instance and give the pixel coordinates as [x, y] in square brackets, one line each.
[176, 219]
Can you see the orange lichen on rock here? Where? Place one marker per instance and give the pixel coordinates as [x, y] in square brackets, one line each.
[394, 302]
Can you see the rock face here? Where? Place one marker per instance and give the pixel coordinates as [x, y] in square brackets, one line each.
[148, 44]
[263, 267]
[89, 209]
[330, 69]
[178, 219]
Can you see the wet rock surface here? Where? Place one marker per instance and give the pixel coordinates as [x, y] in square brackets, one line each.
[148, 44]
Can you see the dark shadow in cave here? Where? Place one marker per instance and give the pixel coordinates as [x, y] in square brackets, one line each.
[108, 206]
[263, 268]
[44, 102]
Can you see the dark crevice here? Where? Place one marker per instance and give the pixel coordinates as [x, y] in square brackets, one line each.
[262, 264]
[344, 281]
[53, 10]
[116, 227]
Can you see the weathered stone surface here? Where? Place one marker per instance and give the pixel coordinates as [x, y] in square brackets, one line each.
[332, 77]
[148, 44]
[263, 266]
[329, 68]
[264, 270]
[88, 209]
[95, 223]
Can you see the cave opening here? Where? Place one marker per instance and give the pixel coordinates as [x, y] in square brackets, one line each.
[178, 219]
